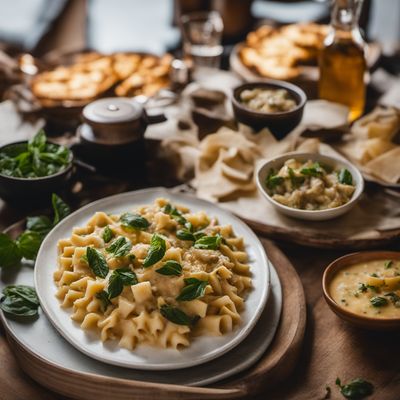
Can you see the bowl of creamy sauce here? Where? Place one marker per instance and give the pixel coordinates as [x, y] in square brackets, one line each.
[364, 289]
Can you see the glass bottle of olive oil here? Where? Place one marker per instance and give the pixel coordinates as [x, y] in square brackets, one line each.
[342, 62]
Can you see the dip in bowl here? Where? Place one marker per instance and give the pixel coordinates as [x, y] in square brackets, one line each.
[364, 289]
[310, 186]
[271, 104]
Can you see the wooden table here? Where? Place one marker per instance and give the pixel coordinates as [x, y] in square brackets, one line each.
[331, 347]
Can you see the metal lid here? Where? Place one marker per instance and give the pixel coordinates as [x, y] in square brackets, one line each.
[112, 110]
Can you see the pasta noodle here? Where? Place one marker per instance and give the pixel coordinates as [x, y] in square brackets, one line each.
[159, 275]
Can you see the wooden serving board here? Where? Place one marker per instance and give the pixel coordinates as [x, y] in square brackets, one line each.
[275, 366]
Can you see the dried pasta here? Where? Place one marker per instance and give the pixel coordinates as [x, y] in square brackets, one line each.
[159, 275]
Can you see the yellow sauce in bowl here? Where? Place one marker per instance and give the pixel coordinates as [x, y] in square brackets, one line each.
[370, 289]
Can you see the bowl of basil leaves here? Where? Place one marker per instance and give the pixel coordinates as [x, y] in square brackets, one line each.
[32, 170]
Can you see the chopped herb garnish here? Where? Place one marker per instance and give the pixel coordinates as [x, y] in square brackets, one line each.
[171, 267]
[388, 264]
[132, 221]
[108, 234]
[156, 251]
[378, 301]
[394, 298]
[294, 179]
[194, 288]
[356, 389]
[345, 177]
[177, 316]
[20, 301]
[272, 180]
[314, 170]
[97, 262]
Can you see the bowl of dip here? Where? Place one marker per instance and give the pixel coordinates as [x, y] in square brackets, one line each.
[271, 104]
[364, 289]
[310, 186]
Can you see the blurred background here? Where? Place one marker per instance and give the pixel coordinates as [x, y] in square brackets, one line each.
[37, 26]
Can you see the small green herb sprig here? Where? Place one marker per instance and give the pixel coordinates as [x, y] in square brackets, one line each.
[27, 244]
[37, 159]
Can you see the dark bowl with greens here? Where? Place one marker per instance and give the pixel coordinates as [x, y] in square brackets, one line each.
[31, 170]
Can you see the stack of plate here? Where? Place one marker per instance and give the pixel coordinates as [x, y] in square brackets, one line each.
[60, 341]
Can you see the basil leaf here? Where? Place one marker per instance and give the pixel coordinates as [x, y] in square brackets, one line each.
[61, 209]
[38, 166]
[356, 389]
[156, 251]
[394, 298]
[378, 301]
[134, 221]
[40, 224]
[314, 170]
[20, 301]
[171, 267]
[119, 247]
[184, 234]
[28, 293]
[388, 264]
[108, 234]
[294, 179]
[194, 288]
[127, 276]
[119, 278]
[272, 180]
[115, 285]
[208, 242]
[345, 177]
[97, 262]
[38, 142]
[174, 213]
[29, 243]
[10, 254]
[104, 299]
[177, 316]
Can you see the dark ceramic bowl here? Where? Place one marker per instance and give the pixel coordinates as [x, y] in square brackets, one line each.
[27, 191]
[279, 123]
[359, 320]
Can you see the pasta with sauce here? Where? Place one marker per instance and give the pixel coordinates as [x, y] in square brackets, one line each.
[159, 275]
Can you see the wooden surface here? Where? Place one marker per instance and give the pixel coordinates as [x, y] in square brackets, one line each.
[331, 348]
[274, 367]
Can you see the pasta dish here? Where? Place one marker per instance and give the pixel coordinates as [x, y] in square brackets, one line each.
[159, 275]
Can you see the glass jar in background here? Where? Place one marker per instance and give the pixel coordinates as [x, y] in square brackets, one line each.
[202, 35]
[342, 61]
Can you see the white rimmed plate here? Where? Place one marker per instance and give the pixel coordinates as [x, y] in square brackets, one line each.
[202, 349]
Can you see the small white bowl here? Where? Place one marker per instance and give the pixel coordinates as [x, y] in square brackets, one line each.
[311, 215]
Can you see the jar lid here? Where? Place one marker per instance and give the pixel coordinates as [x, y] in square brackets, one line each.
[112, 110]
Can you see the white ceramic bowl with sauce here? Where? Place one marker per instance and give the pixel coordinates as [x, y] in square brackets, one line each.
[311, 215]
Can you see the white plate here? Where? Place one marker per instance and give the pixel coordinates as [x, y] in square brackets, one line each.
[40, 338]
[202, 349]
